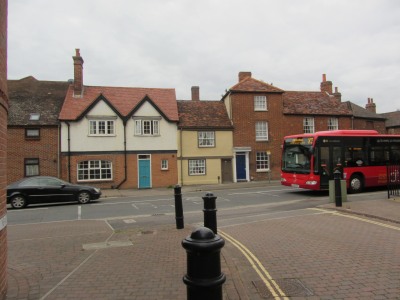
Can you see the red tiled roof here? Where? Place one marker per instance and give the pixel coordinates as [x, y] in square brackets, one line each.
[313, 103]
[123, 99]
[203, 114]
[250, 84]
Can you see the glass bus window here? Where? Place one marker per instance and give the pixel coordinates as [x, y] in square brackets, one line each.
[395, 157]
[337, 157]
[296, 159]
[324, 160]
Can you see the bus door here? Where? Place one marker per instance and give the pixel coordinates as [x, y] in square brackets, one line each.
[330, 160]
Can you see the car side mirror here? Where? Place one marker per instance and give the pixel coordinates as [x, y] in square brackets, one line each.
[63, 186]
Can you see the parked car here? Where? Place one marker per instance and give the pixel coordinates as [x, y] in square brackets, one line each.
[45, 189]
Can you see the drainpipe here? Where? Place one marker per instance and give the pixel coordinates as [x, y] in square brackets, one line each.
[125, 158]
[69, 152]
[180, 150]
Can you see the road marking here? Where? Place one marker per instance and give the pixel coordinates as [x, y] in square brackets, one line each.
[337, 213]
[275, 290]
[133, 205]
[79, 212]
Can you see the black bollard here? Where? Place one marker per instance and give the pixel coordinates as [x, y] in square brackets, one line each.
[210, 212]
[178, 207]
[204, 278]
[338, 189]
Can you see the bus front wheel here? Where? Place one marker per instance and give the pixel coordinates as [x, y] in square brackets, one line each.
[356, 184]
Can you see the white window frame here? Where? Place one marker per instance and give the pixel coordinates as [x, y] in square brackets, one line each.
[308, 125]
[164, 164]
[95, 170]
[262, 161]
[147, 127]
[101, 127]
[260, 103]
[197, 167]
[261, 131]
[206, 139]
[32, 133]
[333, 124]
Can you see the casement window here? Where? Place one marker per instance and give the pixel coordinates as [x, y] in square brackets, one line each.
[147, 127]
[261, 131]
[94, 170]
[101, 127]
[197, 167]
[333, 124]
[32, 133]
[308, 125]
[206, 139]
[31, 167]
[262, 161]
[164, 164]
[260, 103]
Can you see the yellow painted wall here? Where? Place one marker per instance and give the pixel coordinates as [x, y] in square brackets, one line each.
[188, 149]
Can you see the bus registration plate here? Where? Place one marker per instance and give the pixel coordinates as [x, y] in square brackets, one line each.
[295, 185]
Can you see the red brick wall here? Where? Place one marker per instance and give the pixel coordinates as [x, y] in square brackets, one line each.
[3, 145]
[160, 178]
[19, 148]
[363, 124]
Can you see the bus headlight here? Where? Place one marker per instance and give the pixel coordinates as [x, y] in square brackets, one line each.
[283, 179]
[311, 182]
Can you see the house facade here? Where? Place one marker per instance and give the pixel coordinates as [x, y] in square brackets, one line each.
[262, 115]
[117, 137]
[205, 142]
[33, 127]
[3, 147]
[392, 123]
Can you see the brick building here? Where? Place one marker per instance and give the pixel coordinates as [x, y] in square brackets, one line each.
[33, 127]
[263, 114]
[392, 122]
[3, 147]
[118, 137]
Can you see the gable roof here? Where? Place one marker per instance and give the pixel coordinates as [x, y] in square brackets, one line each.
[123, 99]
[360, 112]
[250, 84]
[203, 114]
[313, 103]
[393, 118]
[29, 95]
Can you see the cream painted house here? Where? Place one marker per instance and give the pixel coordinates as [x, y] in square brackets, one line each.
[204, 142]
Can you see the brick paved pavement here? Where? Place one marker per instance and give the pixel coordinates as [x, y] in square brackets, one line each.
[321, 255]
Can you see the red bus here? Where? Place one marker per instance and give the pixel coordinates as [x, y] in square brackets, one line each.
[309, 160]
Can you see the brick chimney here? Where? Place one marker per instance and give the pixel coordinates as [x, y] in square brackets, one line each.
[78, 74]
[195, 93]
[370, 106]
[337, 95]
[326, 86]
[244, 75]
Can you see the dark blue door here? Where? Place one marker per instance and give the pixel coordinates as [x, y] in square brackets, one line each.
[240, 166]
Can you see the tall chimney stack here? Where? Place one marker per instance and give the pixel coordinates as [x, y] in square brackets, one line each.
[371, 106]
[195, 93]
[78, 74]
[337, 94]
[326, 86]
[244, 75]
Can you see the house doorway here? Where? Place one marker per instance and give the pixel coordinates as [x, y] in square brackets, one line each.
[144, 171]
[226, 172]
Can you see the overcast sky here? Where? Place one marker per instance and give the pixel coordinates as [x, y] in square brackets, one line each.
[184, 43]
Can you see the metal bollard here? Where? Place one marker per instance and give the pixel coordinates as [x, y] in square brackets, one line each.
[204, 278]
[210, 212]
[338, 189]
[178, 207]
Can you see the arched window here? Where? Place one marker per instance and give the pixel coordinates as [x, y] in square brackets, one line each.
[94, 170]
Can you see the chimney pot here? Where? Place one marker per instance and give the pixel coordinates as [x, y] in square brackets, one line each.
[323, 77]
[326, 86]
[195, 93]
[244, 75]
[78, 74]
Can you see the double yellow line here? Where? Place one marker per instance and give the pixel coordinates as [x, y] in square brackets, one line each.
[271, 284]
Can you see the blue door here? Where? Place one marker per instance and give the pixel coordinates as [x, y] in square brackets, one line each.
[240, 166]
[144, 172]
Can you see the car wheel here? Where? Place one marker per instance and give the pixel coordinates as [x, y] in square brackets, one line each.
[18, 202]
[83, 197]
[356, 184]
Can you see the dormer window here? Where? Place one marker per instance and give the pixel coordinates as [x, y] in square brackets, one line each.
[34, 117]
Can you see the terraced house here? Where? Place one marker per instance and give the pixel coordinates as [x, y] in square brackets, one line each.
[117, 137]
